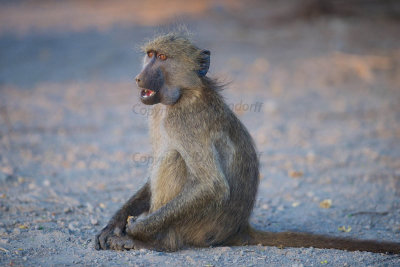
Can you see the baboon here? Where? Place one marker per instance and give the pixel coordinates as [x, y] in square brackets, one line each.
[203, 181]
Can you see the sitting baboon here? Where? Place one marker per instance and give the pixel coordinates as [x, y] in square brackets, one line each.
[203, 181]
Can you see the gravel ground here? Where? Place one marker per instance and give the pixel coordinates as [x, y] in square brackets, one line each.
[320, 96]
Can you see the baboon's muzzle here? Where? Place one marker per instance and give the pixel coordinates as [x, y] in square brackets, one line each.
[150, 81]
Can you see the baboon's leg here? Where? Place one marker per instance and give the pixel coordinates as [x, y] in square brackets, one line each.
[136, 205]
[206, 185]
[193, 197]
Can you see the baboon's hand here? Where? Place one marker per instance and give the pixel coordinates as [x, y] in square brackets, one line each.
[120, 242]
[111, 230]
[124, 243]
[135, 226]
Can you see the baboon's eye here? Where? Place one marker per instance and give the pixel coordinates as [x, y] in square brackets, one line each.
[150, 54]
[162, 56]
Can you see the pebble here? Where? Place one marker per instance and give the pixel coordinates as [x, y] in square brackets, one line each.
[225, 249]
[32, 186]
[89, 207]
[72, 227]
[67, 210]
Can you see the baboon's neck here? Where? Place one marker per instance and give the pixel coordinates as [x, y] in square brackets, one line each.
[206, 93]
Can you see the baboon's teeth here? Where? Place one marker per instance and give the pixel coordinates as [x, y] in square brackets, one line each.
[147, 93]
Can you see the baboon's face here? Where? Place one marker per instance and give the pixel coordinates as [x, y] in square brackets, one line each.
[164, 77]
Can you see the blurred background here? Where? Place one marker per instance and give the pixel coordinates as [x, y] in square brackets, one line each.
[322, 76]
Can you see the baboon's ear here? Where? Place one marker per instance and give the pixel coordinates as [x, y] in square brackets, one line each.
[204, 63]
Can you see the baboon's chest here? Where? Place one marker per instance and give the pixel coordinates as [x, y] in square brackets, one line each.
[168, 173]
[167, 178]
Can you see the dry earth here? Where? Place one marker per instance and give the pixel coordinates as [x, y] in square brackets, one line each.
[320, 96]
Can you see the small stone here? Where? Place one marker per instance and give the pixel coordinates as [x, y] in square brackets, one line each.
[326, 203]
[72, 227]
[310, 157]
[81, 165]
[225, 249]
[67, 210]
[32, 186]
[89, 207]
[295, 204]
[190, 259]
[7, 170]
[94, 221]
[295, 174]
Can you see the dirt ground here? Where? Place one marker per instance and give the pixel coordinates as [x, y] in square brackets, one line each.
[319, 94]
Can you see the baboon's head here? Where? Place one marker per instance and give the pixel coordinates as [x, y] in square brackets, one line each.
[171, 65]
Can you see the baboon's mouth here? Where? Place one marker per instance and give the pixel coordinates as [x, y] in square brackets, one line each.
[149, 97]
[145, 93]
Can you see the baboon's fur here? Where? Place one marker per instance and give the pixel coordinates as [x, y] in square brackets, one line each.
[205, 175]
[182, 50]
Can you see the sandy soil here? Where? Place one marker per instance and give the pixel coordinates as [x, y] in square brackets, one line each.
[320, 96]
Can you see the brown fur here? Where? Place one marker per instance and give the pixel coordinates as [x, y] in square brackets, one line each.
[205, 174]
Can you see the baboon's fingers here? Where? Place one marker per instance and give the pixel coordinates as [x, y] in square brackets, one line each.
[131, 220]
[103, 241]
[132, 229]
[97, 243]
[105, 234]
[132, 226]
[129, 244]
[121, 243]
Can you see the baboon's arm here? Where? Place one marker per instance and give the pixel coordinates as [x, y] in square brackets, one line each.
[206, 186]
[136, 205]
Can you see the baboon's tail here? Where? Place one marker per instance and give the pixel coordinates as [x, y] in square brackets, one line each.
[251, 236]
